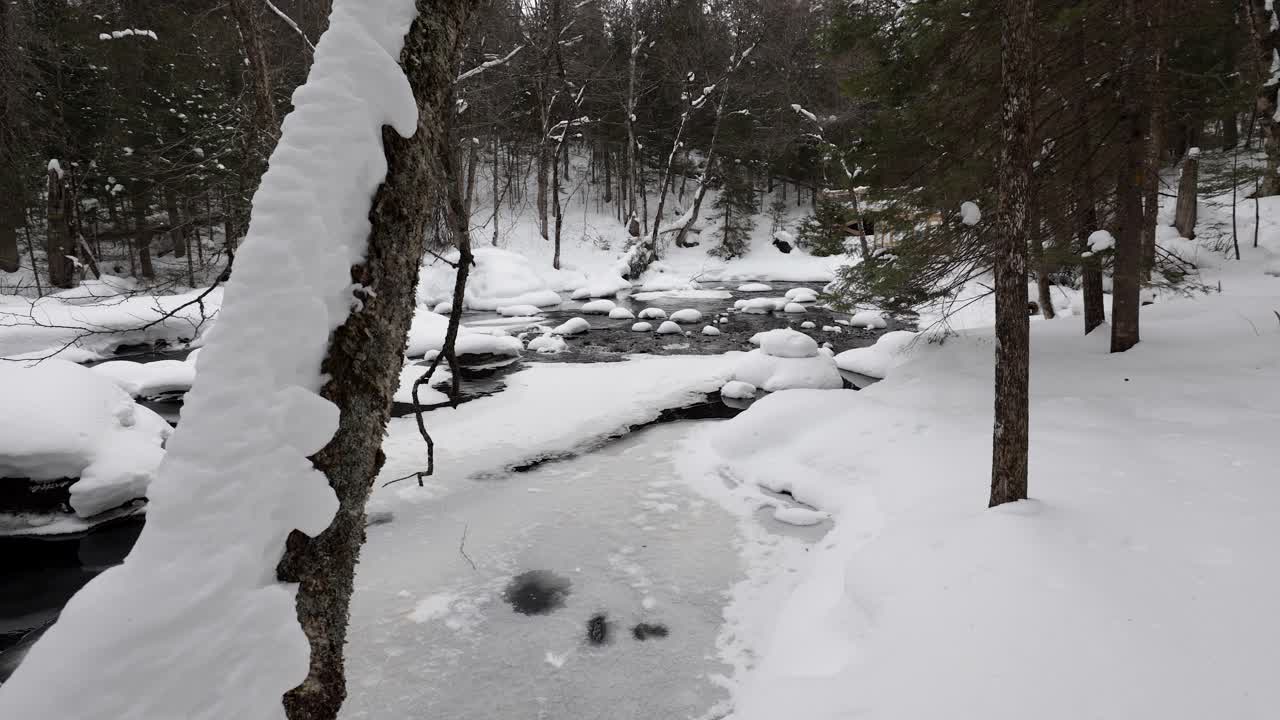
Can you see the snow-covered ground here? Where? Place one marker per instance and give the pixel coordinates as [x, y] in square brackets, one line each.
[1130, 585]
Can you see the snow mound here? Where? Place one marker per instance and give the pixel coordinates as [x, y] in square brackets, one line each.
[148, 379]
[870, 319]
[802, 295]
[711, 330]
[689, 294]
[772, 373]
[784, 236]
[599, 286]
[572, 326]
[444, 307]
[785, 343]
[969, 213]
[621, 313]
[499, 278]
[688, 315]
[876, 361]
[758, 306]
[807, 325]
[653, 314]
[738, 390]
[485, 344]
[669, 328]
[1100, 240]
[794, 308]
[65, 421]
[519, 310]
[754, 287]
[548, 344]
[641, 327]
[598, 307]
[426, 333]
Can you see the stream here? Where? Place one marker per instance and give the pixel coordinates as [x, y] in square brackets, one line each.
[643, 564]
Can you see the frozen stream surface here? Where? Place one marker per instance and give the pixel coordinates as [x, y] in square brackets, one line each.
[612, 540]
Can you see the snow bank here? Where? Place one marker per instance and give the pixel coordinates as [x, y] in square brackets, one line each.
[486, 344]
[194, 624]
[877, 360]
[147, 379]
[519, 310]
[499, 278]
[754, 287]
[1148, 470]
[65, 421]
[600, 286]
[772, 373]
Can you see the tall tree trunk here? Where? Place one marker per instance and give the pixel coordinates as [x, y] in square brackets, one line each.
[1010, 436]
[12, 207]
[1126, 284]
[542, 188]
[366, 353]
[60, 247]
[175, 222]
[1265, 42]
[473, 159]
[1157, 13]
[1185, 210]
[497, 193]
[264, 127]
[1084, 192]
[142, 235]
[608, 176]
[555, 199]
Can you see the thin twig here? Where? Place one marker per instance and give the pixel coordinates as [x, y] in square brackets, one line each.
[462, 548]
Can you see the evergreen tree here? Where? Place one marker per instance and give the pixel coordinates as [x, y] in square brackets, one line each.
[734, 206]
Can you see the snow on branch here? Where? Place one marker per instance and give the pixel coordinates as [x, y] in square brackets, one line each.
[488, 65]
[289, 21]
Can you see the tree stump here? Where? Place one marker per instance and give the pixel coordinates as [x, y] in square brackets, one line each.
[1185, 215]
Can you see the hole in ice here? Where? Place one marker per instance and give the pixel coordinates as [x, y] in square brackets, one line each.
[537, 592]
[644, 631]
[598, 629]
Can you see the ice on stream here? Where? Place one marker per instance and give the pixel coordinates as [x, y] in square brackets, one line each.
[634, 544]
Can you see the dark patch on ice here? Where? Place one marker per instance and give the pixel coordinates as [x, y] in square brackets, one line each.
[537, 592]
[598, 629]
[644, 631]
[379, 517]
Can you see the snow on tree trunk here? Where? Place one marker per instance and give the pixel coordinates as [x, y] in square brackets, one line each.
[195, 623]
[1009, 444]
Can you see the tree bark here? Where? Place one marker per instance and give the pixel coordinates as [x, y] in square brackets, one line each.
[142, 236]
[1265, 42]
[1010, 436]
[1127, 271]
[175, 222]
[12, 208]
[366, 353]
[1184, 216]
[1157, 14]
[60, 247]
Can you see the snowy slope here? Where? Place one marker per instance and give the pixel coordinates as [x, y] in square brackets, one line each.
[1130, 585]
[194, 624]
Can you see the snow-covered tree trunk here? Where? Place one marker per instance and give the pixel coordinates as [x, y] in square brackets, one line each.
[1009, 444]
[366, 352]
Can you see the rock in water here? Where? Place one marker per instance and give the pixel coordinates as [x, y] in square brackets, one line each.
[598, 629]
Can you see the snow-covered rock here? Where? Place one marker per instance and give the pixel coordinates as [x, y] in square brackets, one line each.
[621, 313]
[757, 306]
[738, 390]
[970, 214]
[519, 310]
[688, 315]
[548, 344]
[669, 328]
[807, 325]
[148, 379]
[572, 326]
[62, 420]
[772, 373]
[641, 327]
[711, 330]
[876, 361]
[444, 307]
[653, 313]
[802, 295]
[754, 287]
[598, 307]
[498, 278]
[785, 343]
[870, 319]
[601, 286]
[794, 308]
[485, 344]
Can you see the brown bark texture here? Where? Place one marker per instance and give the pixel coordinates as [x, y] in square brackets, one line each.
[1184, 216]
[1126, 275]
[365, 356]
[60, 246]
[1014, 174]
